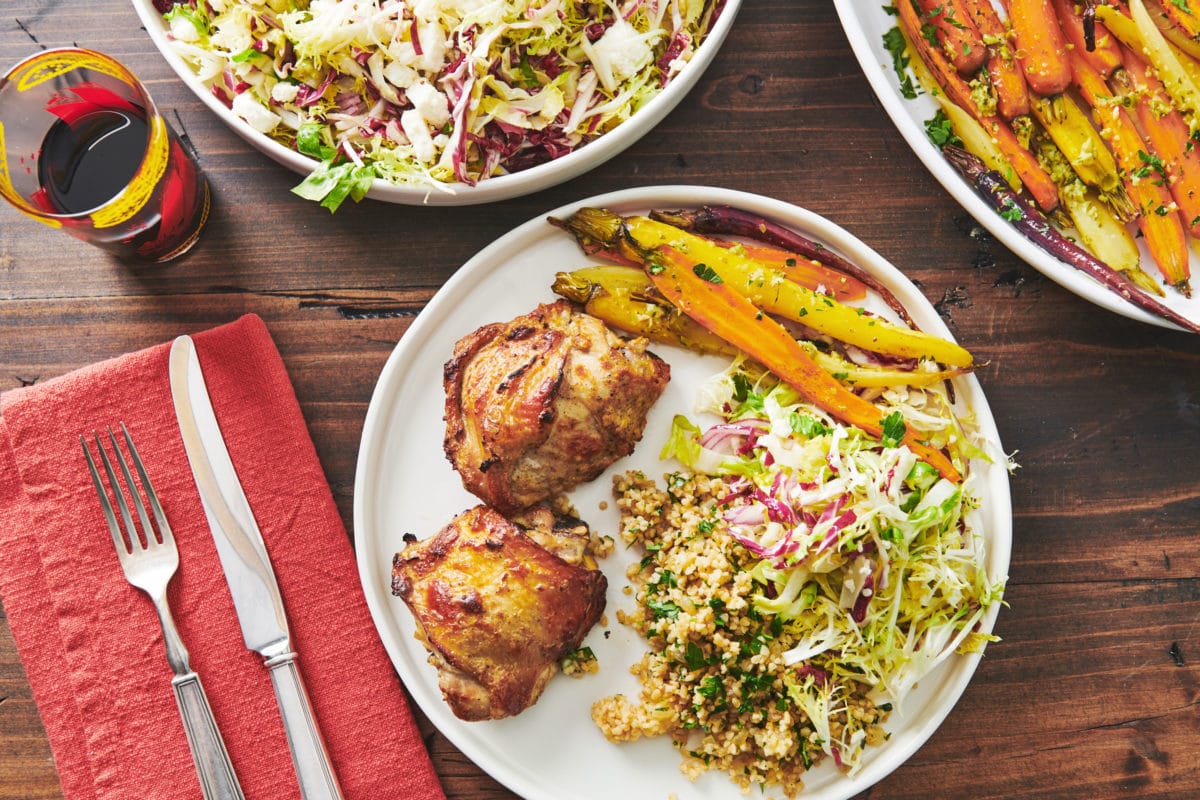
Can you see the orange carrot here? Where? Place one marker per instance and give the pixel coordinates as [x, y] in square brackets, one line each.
[957, 34]
[1105, 56]
[1012, 95]
[1183, 17]
[1158, 220]
[804, 271]
[1041, 49]
[1033, 176]
[699, 292]
[1168, 134]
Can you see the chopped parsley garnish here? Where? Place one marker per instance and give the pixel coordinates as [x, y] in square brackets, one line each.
[1152, 164]
[1010, 211]
[707, 273]
[711, 687]
[893, 429]
[741, 387]
[940, 131]
[720, 615]
[808, 426]
[893, 42]
[694, 657]
[662, 609]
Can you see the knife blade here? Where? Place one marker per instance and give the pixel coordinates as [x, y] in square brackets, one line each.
[247, 567]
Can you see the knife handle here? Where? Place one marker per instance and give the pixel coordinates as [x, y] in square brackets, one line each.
[217, 778]
[314, 772]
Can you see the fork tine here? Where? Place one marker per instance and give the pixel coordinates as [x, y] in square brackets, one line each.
[105, 504]
[122, 503]
[147, 529]
[164, 527]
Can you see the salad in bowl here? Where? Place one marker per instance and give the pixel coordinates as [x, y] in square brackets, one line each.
[450, 101]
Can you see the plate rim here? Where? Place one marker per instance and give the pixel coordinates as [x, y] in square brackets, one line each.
[999, 539]
[503, 187]
[875, 67]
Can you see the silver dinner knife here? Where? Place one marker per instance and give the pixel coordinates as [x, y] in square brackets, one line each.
[248, 569]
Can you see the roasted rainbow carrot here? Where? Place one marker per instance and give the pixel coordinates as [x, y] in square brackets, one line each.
[1033, 177]
[1012, 95]
[1158, 219]
[1103, 52]
[700, 291]
[955, 31]
[1041, 47]
[1167, 133]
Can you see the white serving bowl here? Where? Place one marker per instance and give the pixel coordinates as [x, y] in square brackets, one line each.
[502, 187]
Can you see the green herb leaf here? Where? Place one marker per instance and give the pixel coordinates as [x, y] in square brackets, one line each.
[940, 131]
[1011, 211]
[662, 609]
[246, 55]
[808, 426]
[694, 657]
[893, 429]
[893, 42]
[707, 273]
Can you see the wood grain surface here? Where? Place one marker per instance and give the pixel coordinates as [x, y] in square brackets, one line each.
[1092, 692]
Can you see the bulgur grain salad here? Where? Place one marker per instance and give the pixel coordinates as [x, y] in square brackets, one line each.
[799, 577]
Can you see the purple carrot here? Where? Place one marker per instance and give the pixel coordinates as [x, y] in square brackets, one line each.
[731, 221]
[1027, 219]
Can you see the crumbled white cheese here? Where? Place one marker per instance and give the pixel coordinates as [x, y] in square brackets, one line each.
[183, 29]
[258, 116]
[414, 128]
[284, 92]
[619, 54]
[399, 74]
[429, 102]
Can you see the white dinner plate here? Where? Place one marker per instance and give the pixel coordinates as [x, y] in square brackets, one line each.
[865, 22]
[502, 187]
[404, 484]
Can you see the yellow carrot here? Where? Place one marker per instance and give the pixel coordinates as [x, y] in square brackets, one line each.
[770, 292]
[804, 271]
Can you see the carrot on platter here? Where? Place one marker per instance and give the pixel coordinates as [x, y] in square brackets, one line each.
[956, 33]
[1168, 134]
[1012, 95]
[1033, 176]
[1104, 53]
[1158, 218]
[1041, 48]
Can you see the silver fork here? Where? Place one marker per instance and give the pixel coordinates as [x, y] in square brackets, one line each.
[149, 563]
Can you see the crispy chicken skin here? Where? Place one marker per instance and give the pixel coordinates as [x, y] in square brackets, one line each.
[542, 403]
[496, 610]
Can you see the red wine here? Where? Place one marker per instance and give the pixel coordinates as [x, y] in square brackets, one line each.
[87, 162]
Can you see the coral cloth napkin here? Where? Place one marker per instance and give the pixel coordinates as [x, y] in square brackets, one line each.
[91, 643]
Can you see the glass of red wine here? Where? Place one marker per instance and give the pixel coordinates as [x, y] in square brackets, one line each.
[83, 148]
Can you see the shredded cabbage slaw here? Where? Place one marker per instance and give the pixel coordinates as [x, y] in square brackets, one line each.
[874, 565]
[433, 92]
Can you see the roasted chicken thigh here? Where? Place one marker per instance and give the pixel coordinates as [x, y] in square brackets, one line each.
[496, 610]
[544, 402]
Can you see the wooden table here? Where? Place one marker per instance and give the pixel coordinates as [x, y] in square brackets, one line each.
[1094, 690]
